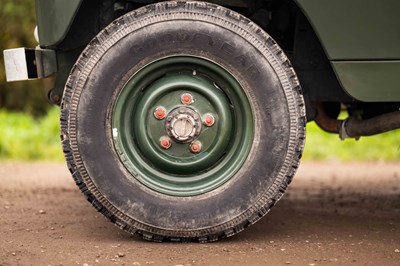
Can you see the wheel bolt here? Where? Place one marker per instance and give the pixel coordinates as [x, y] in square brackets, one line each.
[196, 146]
[187, 99]
[209, 120]
[165, 143]
[160, 113]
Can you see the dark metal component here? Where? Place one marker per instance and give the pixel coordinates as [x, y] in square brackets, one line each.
[65, 61]
[54, 98]
[356, 128]
[324, 121]
[370, 110]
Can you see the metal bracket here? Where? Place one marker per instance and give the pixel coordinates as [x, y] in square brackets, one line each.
[343, 134]
[28, 63]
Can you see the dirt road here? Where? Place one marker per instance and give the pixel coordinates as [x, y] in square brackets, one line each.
[333, 214]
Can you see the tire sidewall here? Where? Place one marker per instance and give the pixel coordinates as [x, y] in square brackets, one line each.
[250, 188]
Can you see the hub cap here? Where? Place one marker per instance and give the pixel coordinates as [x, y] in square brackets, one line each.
[182, 126]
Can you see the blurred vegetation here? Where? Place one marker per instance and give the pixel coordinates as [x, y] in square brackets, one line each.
[324, 146]
[321, 145]
[24, 138]
[17, 20]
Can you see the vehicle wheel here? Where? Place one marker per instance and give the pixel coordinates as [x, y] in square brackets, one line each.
[183, 121]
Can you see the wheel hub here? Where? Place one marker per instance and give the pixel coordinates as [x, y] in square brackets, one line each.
[183, 124]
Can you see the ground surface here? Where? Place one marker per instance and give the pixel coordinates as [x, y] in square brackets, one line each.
[332, 214]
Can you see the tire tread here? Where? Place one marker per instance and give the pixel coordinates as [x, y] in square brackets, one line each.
[152, 12]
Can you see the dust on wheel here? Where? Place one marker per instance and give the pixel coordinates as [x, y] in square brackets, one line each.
[183, 121]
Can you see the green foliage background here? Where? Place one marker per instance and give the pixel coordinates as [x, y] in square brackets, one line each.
[17, 20]
[325, 146]
[26, 138]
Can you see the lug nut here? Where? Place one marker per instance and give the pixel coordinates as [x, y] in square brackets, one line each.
[160, 113]
[165, 143]
[187, 99]
[209, 120]
[196, 146]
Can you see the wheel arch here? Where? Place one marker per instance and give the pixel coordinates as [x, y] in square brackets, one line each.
[90, 18]
[50, 33]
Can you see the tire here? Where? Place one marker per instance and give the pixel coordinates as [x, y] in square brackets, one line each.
[136, 130]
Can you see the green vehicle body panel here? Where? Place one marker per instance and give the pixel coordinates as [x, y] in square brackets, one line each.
[54, 19]
[360, 30]
[356, 29]
[350, 31]
[370, 81]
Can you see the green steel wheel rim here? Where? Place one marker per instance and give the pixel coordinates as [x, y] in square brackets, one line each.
[182, 125]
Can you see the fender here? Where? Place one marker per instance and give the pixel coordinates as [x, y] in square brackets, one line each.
[54, 19]
[361, 38]
[356, 29]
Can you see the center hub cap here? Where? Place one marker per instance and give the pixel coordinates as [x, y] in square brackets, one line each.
[183, 124]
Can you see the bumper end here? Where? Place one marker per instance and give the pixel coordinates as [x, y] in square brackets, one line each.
[27, 64]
